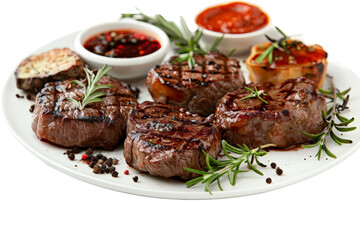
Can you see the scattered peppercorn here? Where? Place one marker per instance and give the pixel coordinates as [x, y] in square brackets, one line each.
[92, 164]
[111, 169]
[32, 108]
[273, 165]
[114, 174]
[109, 162]
[19, 96]
[89, 151]
[71, 156]
[126, 172]
[96, 169]
[135, 179]
[268, 180]
[104, 158]
[29, 97]
[279, 171]
[99, 155]
[115, 161]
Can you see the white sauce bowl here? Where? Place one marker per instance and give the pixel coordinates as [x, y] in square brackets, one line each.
[242, 42]
[123, 68]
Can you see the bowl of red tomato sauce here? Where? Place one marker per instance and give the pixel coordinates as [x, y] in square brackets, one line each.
[240, 24]
[131, 47]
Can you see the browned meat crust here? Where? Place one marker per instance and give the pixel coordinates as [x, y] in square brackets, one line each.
[102, 124]
[198, 90]
[293, 106]
[163, 139]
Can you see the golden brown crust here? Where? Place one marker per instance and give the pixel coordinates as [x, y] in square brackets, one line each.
[54, 65]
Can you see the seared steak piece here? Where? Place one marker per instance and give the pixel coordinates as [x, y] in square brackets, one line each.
[102, 124]
[55, 65]
[198, 90]
[292, 106]
[163, 139]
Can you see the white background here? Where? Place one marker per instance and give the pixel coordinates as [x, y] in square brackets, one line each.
[39, 202]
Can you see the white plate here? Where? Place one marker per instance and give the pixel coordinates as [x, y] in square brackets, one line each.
[292, 162]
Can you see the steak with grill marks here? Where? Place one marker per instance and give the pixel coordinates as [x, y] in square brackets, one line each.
[292, 106]
[198, 90]
[101, 124]
[164, 139]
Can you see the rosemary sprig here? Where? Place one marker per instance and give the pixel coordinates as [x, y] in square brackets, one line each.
[186, 52]
[255, 94]
[333, 113]
[218, 168]
[91, 95]
[282, 43]
[169, 27]
[186, 41]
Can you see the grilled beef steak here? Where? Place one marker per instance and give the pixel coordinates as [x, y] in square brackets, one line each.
[102, 124]
[292, 106]
[54, 65]
[198, 90]
[163, 139]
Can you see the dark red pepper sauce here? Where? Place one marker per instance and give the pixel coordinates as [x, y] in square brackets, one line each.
[122, 44]
[236, 17]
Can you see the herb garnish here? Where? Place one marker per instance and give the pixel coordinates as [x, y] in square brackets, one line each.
[282, 43]
[186, 41]
[255, 94]
[91, 95]
[217, 168]
[319, 139]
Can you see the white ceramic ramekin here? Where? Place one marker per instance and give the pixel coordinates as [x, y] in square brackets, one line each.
[123, 68]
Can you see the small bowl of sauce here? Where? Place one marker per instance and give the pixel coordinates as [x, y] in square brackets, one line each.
[242, 25]
[131, 47]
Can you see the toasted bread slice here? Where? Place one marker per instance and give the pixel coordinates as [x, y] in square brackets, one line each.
[57, 64]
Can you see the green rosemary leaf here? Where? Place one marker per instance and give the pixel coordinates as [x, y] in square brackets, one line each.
[345, 129]
[254, 168]
[324, 91]
[341, 118]
[310, 145]
[90, 91]
[334, 137]
[216, 43]
[345, 122]
[312, 135]
[231, 52]
[186, 29]
[339, 139]
[219, 184]
[231, 167]
[327, 151]
[264, 54]
[195, 171]
[78, 83]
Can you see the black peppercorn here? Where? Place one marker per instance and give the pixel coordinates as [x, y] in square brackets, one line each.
[71, 156]
[273, 165]
[268, 180]
[279, 171]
